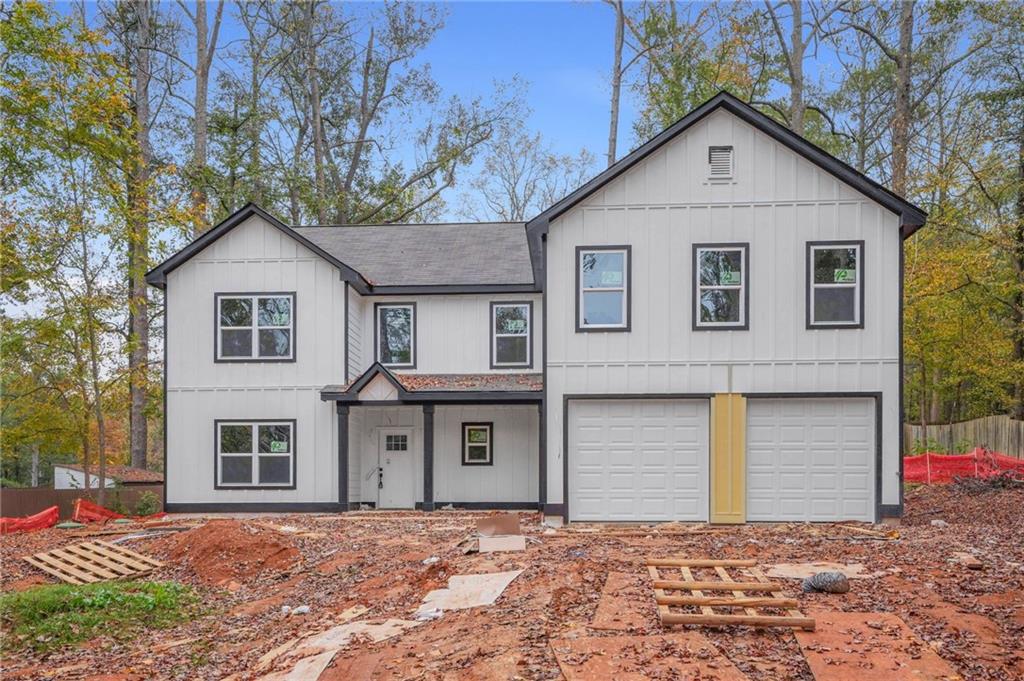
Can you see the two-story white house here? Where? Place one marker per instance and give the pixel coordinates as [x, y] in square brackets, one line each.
[709, 330]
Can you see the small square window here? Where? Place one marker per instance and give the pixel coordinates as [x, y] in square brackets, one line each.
[477, 444]
[255, 454]
[396, 443]
[266, 335]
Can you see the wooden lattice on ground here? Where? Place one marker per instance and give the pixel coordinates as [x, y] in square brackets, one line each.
[96, 561]
[713, 597]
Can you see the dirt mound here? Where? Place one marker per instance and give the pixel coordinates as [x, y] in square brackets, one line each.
[225, 550]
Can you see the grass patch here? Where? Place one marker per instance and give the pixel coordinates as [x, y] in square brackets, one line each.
[57, 615]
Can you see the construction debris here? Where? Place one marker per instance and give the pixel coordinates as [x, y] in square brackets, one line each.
[468, 591]
[576, 586]
[805, 570]
[826, 582]
[93, 562]
[502, 544]
[498, 525]
[968, 560]
[773, 610]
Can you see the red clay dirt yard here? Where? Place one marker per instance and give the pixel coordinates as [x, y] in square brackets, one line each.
[341, 597]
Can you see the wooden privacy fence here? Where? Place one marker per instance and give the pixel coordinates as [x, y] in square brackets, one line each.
[997, 433]
[22, 502]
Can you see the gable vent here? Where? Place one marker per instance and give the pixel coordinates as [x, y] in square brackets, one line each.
[720, 163]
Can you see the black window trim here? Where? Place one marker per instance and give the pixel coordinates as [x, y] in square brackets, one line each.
[253, 422]
[628, 249]
[744, 324]
[809, 277]
[253, 359]
[466, 425]
[376, 334]
[529, 335]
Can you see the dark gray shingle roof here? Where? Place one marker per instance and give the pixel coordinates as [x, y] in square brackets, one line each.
[424, 255]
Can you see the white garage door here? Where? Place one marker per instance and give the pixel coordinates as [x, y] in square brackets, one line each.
[811, 459]
[638, 460]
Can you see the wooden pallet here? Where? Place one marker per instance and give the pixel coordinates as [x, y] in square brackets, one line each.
[760, 600]
[96, 561]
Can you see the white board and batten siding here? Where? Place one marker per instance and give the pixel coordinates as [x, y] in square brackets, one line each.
[776, 201]
[453, 332]
[253, 257]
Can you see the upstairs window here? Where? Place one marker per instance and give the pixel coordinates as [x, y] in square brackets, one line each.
[835, 285]
[602, 279]
[720, 289]
[255, 454]
[720, 163]
[396, 335]
[255, 327]
[511, 334]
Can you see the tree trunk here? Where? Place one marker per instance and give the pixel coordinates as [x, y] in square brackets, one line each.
[796, 69]
[35, 464]
[138, 243]
[1017, 315]
[205, 47]
[613, 123]
[901, 116]
[316, 111]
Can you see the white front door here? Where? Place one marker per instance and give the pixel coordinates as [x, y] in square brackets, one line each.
[396, 482]
[638, 460]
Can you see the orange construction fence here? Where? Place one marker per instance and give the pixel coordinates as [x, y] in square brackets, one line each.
[43, 519]
[932, 468]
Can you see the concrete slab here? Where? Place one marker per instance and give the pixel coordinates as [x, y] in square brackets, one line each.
[852, 646]
[684, 655]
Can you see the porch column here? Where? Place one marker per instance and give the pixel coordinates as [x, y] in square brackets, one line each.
[342, 455]
[428, 457]
[542, 458]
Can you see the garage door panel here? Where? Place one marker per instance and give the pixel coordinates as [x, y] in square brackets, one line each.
[810, 459]
[652, 455]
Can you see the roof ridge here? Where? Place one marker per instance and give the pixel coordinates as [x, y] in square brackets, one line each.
[416, 224]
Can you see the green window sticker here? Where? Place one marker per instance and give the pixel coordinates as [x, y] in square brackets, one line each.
[515, 325]
[612, 278]
[845, 276]
[477, 435]
[279, 447]
[730, 278]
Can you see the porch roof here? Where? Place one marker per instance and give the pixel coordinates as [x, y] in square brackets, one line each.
[441, 387]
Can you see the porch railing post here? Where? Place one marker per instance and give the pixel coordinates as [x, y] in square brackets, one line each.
[428, 457]
[542, 459]
[342, 455]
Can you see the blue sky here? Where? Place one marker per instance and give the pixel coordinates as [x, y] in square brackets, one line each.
[562, 49]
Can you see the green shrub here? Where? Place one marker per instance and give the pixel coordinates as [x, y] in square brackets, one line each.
[56, 615]
[148, 504]
[12, 484]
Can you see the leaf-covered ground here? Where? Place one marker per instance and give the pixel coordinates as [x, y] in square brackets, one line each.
[245, 569]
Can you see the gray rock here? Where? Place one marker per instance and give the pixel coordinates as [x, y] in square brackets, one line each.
[939, 522]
